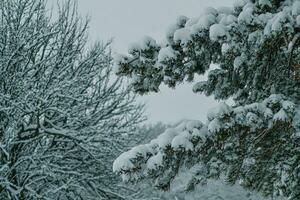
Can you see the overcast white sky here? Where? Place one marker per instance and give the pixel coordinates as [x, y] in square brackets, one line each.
[129, 20]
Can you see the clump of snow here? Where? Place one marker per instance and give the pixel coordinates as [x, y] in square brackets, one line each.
[183, 36]
[255, 36]
[214, 126]
[135, 78]
[191, 22]
[265, 3]
[225, 48]
[144, 44]
[190, 125]
[246, 16]
[252, 118]
[296, 120]
[202, 133]
[255, 107]
[280, 116]
[296, 8]
[248, 162]
[219, 111]
[237, 63]
[140, 150]
[288, 106]
[239, 109]
[182, 141]
[155, 161]
[272, 100]
[166, 138]
[148, 42]
[298, 20]
[228, 20]
[203, 23]
[122, 163]
[278, 21]
[216, 31]
[165, 54]
[239, 3]
[167, 79]
[268, 113]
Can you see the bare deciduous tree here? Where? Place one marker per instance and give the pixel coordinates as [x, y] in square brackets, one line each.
[61, 111]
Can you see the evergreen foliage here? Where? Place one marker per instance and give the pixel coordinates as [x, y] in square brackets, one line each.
[255, 142]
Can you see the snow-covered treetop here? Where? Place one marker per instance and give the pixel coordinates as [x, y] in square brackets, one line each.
[251, 41]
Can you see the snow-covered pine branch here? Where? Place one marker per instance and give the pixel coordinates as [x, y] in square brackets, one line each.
[251, 42]
[246, 144]
[256, 48]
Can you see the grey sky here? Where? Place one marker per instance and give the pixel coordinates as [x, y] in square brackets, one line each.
[127, 21]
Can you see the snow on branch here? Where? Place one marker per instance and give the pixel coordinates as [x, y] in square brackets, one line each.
[214, 145]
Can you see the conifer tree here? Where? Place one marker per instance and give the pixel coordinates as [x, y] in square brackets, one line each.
[255, 142]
